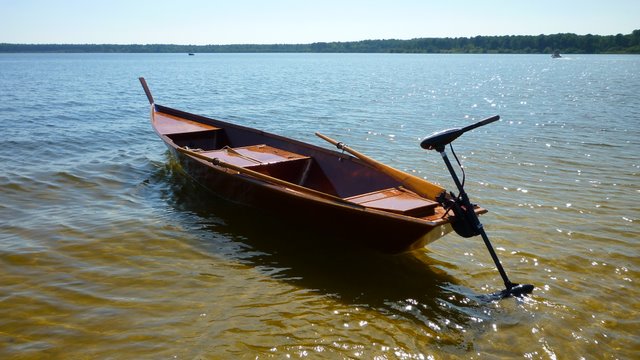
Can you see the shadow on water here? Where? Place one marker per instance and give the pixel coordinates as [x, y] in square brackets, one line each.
[410, 286]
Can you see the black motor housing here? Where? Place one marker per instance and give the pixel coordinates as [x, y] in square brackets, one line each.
[464, 224]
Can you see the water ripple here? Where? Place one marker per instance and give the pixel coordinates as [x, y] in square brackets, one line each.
[108, 250]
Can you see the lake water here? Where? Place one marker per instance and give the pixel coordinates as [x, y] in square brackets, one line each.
[108, 251]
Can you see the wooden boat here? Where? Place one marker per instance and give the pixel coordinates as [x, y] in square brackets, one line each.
[351, 197]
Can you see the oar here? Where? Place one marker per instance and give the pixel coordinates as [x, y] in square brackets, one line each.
[414, 183]
[270, 179]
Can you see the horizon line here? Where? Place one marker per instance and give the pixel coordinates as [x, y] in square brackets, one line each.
[315, 42]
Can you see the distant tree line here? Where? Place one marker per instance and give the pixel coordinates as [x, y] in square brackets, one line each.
[510, 44]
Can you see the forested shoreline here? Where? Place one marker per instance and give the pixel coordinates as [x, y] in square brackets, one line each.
[566, 43]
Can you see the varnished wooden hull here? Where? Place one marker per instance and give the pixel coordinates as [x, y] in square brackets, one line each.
[298, 212]
[362, 205]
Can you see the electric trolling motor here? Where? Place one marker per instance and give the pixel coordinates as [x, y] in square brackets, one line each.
[466, 222]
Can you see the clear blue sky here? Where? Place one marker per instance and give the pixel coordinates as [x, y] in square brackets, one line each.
[203, 22]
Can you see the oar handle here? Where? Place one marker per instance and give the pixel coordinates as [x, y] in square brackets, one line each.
[270, 179]
[340, 145]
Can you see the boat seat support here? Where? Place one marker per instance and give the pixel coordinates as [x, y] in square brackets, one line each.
[267, 160]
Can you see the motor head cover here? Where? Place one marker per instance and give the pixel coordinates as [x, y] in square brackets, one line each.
[438, 140]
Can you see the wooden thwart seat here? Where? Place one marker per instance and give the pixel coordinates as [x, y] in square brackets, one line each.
[187, 133]
[253, 155]
[267, 160]
[396, 200]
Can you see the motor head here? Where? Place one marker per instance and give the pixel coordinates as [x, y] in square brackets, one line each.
[438, 140]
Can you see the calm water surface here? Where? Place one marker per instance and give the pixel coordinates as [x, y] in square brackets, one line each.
[108, 251]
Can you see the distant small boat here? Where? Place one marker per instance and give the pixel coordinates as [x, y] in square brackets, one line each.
[556, 55]
[191, 54]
